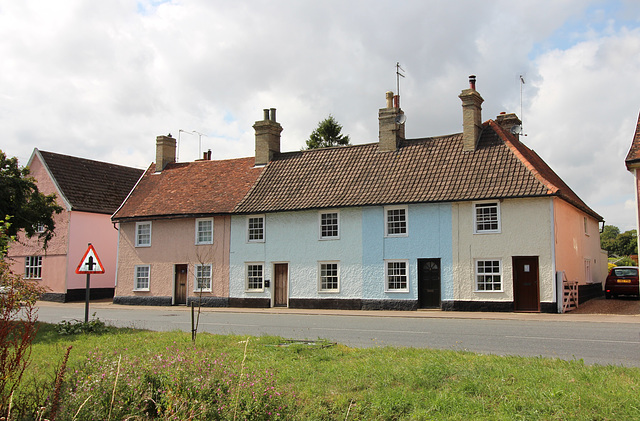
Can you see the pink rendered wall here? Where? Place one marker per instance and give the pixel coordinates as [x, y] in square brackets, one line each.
[573, 246]
[54, 260]
[98, 230]
[173, 242]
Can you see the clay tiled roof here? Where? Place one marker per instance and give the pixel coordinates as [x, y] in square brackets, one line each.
[633, 157]
[190, 189]
[90, 186]
[421, 170]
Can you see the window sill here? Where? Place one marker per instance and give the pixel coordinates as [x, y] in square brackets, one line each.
[488, 292]
[141, 290]
[396, 291]
[250, 291]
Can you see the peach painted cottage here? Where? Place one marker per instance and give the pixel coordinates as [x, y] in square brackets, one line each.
[174, 229]
[632, 162]
[89, 191]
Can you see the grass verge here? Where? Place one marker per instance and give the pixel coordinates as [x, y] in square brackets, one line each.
[132, 374]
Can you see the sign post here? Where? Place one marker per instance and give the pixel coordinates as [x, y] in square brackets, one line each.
[89, 264]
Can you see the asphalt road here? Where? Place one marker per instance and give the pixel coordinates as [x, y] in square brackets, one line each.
[596, 339]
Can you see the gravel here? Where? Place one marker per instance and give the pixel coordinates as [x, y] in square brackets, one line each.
[600, 305]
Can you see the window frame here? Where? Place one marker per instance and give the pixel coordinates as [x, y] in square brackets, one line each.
[198, 242]
[337, 276]
[321, 226]
[388, 209]
[137, 233]
[249, 232]
[485, 204]
[477, 274]
[196, 267]
[247, 288]
[136, 278]
[387, 286]
[33, 264]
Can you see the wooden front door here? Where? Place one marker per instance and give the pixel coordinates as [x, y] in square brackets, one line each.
[280, 287]
[428, 283]
[526, 289]
[180, 286]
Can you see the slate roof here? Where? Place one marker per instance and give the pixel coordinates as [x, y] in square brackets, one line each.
[424, 170]
[90, 186]
[633, 156]
[190, 189]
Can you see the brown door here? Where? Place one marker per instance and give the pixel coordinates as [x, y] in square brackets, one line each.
[181, 284]
[526, 288]
[281, 272]
[428, 283]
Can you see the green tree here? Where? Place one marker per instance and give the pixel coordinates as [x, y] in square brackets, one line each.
[327, 134]
[608, 237]
[23, 205]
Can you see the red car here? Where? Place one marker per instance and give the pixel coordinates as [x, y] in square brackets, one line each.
[622, 280]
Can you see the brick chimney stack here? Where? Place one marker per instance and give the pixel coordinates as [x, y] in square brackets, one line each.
[471, 115]
[391, 124]
[267, 137]
[165, 151]
[508, 122]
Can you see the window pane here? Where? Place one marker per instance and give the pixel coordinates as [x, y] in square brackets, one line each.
[205, 232]
[203, 277]
[329, 225]
[396, 221]
[486, 217]
[143, 235]
[142, 277]
[329, 276]
[33, 267]
[488, 275]
[256, 229]
[397, 275]
[254, 276]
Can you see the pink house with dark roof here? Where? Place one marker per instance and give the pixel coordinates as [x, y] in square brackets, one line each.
[89, 191]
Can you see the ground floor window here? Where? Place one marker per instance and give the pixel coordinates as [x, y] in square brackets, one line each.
[255, 277]
[33, 267]
[488, 275]
[397, 275]
[141, 282]
[329, 276]
[203, 278]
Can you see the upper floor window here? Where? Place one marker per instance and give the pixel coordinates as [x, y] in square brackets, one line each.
[255, 229]
[395, 221]
[329, 225]
[329, 276]
[202, 281]
[33, 267]
[397, 275]
[254, 277]
[143, 234]
[141, 278]
[586, 226]
[204, 231]
[488, 275]
[486, 217]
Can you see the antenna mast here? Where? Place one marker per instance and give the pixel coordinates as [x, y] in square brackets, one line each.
[398, 76]
[521, 116]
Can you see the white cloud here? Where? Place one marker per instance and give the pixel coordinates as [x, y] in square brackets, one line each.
[102, 79]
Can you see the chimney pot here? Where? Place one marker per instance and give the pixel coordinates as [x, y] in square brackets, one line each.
[389, 97]
[273, 114]
[472, 82]
[266, 114]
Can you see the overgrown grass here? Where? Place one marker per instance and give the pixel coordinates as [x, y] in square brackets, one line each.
[130, 374]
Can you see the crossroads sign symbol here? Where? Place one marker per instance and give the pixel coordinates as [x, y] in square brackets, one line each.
[90, 262]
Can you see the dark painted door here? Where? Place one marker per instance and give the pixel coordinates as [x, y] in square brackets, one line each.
[428, 283]
[526, 288]
[281, 272]
[181, 284]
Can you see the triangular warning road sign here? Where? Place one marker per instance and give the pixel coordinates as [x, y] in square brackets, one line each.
[90, 262]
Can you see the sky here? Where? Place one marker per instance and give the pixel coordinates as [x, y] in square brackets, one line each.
[101, 80]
